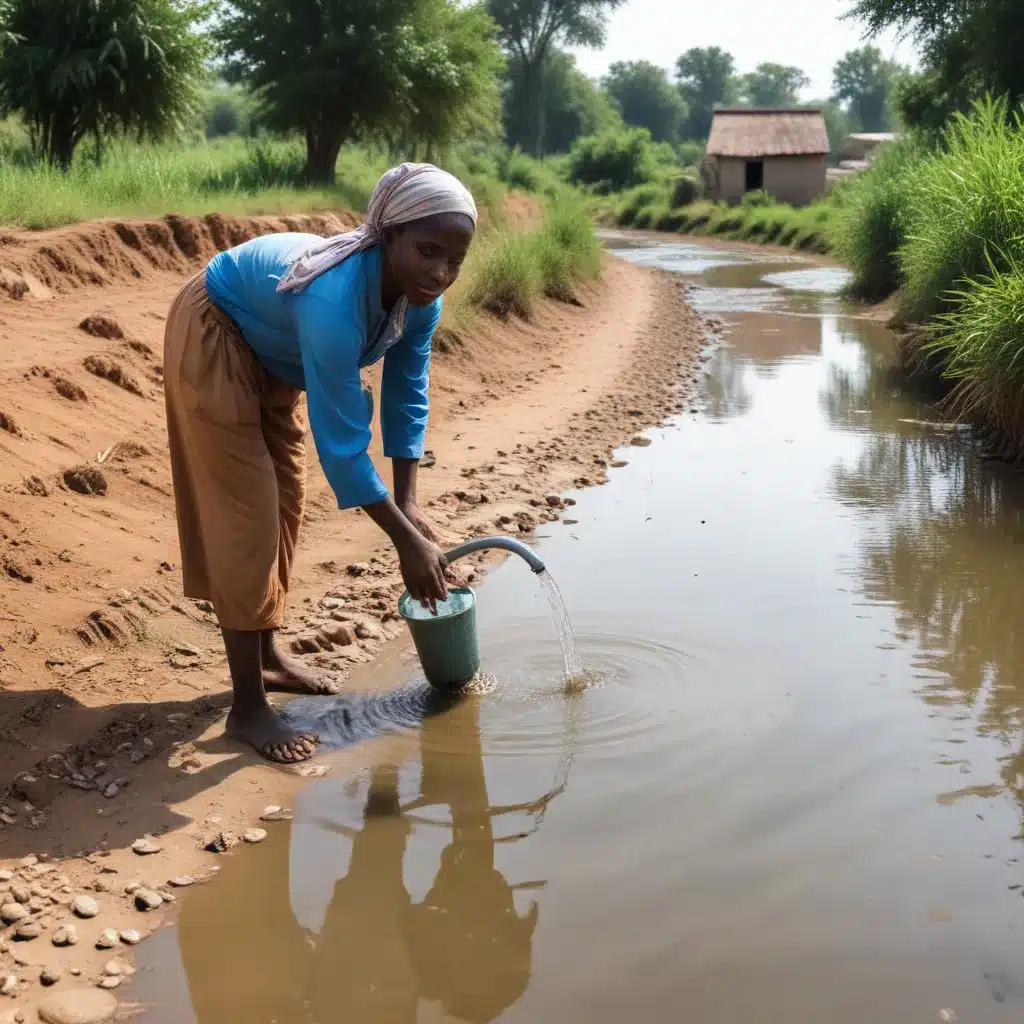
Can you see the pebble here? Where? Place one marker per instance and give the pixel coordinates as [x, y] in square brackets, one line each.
[6, 875]
[114, 968]
[108, 939]
[20, 893]
[131, 886]
[146, 845]
[65, 935]
[147, 899]
[28, 930]
[111, 791]
[110, 981]
[9, 986]
[51, 975]
[181, 881]
[130, 937]
[102, 885]
[220, 842]
[358, 569]
[11, 912]
[275, 813]
[254, 835]
[78, 1006]
[85, 906]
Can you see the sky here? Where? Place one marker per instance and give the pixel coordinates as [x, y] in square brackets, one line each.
[806, 33]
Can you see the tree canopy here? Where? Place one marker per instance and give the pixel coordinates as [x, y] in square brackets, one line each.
[863, 81]
[706, 78]
[531, 29]
[969, 48]
[78, 68]
[773, 85]
[644, 96]
[573, 105]
[339, 70]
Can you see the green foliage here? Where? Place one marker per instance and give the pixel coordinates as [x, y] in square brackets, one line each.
[969, 48]
[645, 98]
[871, 222]
[965, 208]
[773, 85]
[572, 105]
[227, 110]
[690, 152]
[706, 77]
[512, 270]
[531, 30]
[78, 68]
[618, 160]
[863, 81]
[685, 190]
[411, 71]
[517, 170]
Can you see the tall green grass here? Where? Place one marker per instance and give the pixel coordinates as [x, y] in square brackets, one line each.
[871, 222]
[512, 271]
[228, 175]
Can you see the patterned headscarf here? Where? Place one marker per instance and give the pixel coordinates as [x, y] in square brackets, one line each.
[405, 193]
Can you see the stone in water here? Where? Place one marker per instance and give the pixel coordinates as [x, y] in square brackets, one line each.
[147, 899]
[254, 835]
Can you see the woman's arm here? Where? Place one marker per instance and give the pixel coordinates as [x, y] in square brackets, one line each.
[330, 340]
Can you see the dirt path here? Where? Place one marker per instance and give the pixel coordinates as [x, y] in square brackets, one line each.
[113, 686]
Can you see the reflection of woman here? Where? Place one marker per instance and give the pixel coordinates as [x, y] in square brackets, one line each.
[464, 946]
[470, 948]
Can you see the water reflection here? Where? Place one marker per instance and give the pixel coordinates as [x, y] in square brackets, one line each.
[378, 953]
[943, 548]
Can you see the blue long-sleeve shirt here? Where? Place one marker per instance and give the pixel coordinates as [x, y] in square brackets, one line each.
[318, 339]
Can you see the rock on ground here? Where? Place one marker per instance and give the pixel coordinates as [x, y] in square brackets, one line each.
[78, 1006]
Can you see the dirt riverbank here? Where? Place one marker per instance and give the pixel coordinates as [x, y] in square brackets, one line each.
[113, 687]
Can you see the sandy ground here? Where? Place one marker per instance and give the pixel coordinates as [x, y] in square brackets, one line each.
[113, 687]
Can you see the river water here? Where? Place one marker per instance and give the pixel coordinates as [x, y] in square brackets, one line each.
[793, 793]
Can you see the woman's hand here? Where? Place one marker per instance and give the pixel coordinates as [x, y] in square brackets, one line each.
[423, 570]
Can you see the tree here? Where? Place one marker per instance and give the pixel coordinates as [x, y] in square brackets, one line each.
[78, 68]
[706, 78]
[644, 97]
[339, 70]
[573, 105]
[862, 80]
[773, 85]
[531, 29]
[969, 48]
[837, 124]
[453, 87]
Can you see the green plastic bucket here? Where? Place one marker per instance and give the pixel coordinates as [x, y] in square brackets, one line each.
[446, 643]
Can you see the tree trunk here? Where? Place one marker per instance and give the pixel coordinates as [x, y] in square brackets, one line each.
[322, 147]
[533, 94]
[62, 138]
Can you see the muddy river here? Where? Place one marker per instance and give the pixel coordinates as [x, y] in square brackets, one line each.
[793, 793]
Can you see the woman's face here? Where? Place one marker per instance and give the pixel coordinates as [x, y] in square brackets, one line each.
[424, 258]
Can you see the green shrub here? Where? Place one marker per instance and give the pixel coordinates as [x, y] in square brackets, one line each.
[755, 198]
[635, 199]
[616, 160]
[690, 153]
[685, 190]
[870, 224]
[514, 269]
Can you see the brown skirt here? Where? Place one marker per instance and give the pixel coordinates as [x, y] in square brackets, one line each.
[238, 460]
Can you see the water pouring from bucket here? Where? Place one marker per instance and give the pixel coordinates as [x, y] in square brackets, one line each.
[447, 643]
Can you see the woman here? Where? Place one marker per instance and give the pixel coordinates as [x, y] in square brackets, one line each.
[276, 316]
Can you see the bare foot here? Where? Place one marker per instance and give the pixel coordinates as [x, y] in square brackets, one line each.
[281, 672]
[264, 729]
